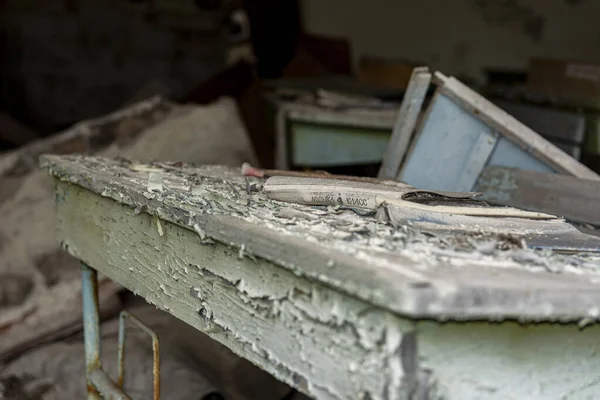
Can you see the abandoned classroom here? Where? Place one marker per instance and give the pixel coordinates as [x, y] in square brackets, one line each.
[303, 199]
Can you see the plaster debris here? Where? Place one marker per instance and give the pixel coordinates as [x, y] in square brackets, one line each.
[200, 232]
[155, 182]
[159, 226]
[145, 168]
[291, 213]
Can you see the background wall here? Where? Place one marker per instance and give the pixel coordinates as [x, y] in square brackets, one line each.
[67, 60]
[461, 36]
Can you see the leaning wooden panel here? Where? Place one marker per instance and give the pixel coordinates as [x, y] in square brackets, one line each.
[322, 342]
[511, 128]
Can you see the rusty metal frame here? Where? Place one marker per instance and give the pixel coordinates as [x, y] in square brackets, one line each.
[99, 384]
[155, 351]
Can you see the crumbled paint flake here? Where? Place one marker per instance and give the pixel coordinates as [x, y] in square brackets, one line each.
[155, 182]
[241, 285]
[291, 213]
[144, 168]
[199, 191]
[352, 367]
[585, 322]
[200, 231]
[594, 312]
[191, 217]
[159, 226]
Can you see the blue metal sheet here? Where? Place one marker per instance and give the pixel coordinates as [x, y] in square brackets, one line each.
[450, 150]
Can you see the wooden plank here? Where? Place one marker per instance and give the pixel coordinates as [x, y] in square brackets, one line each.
[483, 148]
[566, 126]
[405, 123]
[402, 274]
[575, 199]
[511, 128]
[563, 128]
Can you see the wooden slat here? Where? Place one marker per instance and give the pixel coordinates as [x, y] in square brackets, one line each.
[511, 128]
[563, 125]
[405, 122]
[572, 198]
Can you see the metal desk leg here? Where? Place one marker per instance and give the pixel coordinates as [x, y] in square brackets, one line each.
[91, 326]
[99, 384]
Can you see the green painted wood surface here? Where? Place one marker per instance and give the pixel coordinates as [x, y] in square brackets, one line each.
[324, 145]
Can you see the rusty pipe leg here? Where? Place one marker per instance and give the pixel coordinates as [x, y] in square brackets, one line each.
[91, 326]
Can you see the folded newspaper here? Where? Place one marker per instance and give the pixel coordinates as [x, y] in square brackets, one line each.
[435, 212]
[364, 195]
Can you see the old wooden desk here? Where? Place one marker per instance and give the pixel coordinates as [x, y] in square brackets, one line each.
[310, 136]
[333, 303]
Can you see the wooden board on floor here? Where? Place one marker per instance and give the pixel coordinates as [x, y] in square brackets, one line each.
[573, 198]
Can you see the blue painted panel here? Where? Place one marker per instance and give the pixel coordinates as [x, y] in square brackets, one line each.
[449, 143]
[508, 154]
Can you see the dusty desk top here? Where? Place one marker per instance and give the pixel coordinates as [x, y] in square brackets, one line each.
[401, 270]
[326, 108]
